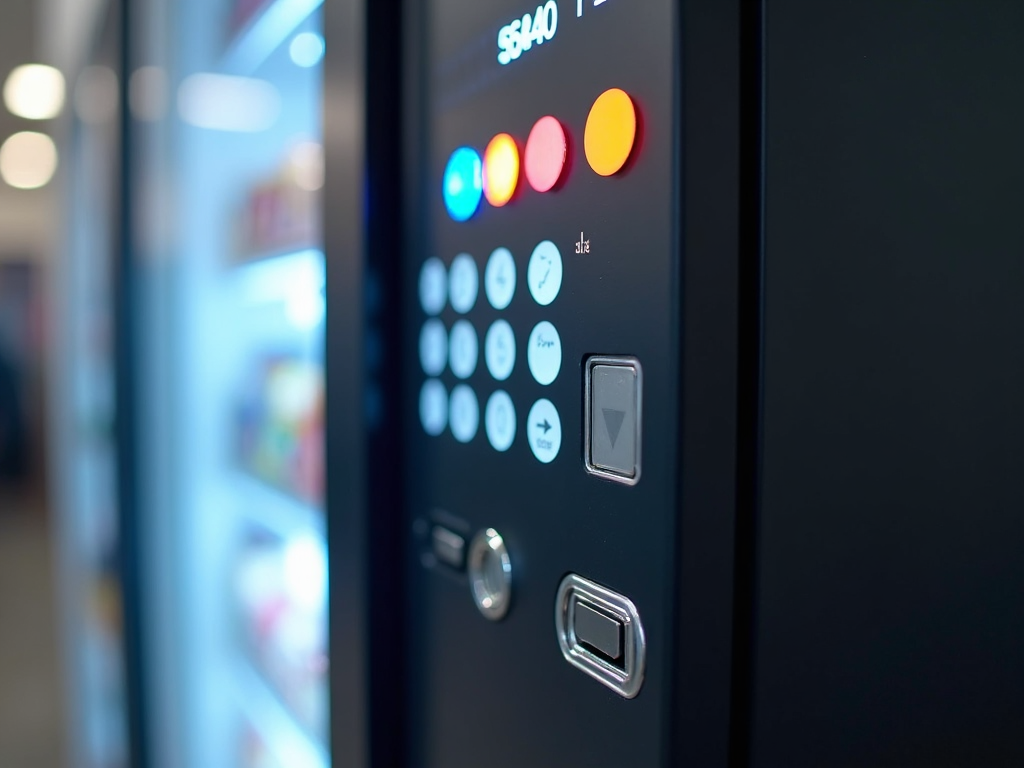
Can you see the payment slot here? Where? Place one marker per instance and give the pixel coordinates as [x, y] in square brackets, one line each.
[541, 295]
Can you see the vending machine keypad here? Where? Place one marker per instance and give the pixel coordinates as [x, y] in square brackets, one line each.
[541, 387]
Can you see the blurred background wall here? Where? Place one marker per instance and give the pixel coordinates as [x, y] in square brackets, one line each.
[31, 709]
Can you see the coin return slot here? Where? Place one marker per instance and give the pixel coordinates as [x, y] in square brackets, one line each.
[599, 633]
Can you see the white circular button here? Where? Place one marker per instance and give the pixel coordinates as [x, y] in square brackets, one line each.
[463, 349]
[500, 349]
[463, 283]
[433, 347]
[433, 407]
[500, 278]
[544, 430]
[544, 273]
[500, 420]
[544, 353]
[464, 413]
[433, 286]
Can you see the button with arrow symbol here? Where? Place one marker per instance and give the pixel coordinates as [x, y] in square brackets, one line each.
[612, 418]
[544, 430]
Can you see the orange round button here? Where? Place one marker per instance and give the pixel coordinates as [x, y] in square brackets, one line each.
[610, 132]
[501, 169]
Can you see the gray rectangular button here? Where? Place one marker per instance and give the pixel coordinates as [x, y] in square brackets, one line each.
[598, 630]
[614, 412]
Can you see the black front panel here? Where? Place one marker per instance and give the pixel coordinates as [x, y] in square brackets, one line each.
[890, 621]
[500, 692]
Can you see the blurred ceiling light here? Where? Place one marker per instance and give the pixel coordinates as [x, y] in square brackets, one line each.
[147, 93]
[95, 95]
[307, 162]
[34, 91]
[28, 160]
[228, 103]
[307, 49]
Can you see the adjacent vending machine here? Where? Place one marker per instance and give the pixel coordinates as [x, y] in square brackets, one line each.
[227, 167]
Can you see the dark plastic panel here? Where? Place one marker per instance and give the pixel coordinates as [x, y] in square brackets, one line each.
[889, 620]
[501, 693]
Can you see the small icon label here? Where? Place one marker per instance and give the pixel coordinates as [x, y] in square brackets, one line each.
[463, 283]
[500, 278]
[500, 349]
[433, 347]
[544, 431]
[544, 273]
[433, 286]
[464, 413]
[544, 353]
[582, 246]
[500, 420]
[433, 407]
[463, 349]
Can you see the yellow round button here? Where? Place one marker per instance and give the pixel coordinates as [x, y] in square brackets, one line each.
[610, 132]
[501, 169]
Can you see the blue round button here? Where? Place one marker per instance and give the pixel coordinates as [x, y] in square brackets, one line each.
[463, 183]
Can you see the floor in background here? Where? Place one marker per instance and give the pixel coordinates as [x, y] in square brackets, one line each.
[31, 705]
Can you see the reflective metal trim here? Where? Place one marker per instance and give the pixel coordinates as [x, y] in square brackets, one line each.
[490, 574]
[625, 678]
[623, 361]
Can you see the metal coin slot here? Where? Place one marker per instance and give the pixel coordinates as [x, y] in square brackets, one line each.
[490, 574]
[599, 633]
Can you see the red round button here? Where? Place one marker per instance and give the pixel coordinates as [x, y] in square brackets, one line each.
[545, 154]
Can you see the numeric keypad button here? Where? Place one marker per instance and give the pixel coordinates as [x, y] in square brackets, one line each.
[463, 283]
[464, 413]
[544, 273]
[544, 353]
[433, 407]
[433, 347]
[500, 278]
[433, 287]
[463, 349]
[500, 350]
[500, 420]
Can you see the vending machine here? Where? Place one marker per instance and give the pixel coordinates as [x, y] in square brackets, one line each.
[703, 328]
[568, 300]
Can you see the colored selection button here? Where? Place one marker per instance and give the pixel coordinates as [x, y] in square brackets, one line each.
[501, 170]
[611, 132]
[463, 183]
[545, 154]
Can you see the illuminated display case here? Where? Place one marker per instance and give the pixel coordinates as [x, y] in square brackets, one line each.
[227, 110]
